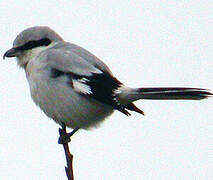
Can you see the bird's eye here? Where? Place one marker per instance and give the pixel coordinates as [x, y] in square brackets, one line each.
[33, 44]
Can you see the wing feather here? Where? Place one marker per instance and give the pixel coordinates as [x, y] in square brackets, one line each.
[65, 60]
[86, 74]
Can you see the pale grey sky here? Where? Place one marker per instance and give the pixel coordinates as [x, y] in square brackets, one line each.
[145, 43]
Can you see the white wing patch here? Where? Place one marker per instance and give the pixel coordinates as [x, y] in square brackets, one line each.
[80, 86]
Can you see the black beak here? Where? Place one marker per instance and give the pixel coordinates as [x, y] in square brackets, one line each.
[10, 53]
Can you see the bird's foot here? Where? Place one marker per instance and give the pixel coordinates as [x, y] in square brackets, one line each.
[64, 136]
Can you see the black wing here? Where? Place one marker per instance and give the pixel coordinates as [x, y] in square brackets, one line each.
[98, 86]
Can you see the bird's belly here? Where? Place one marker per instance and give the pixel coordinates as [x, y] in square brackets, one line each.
[64, 105]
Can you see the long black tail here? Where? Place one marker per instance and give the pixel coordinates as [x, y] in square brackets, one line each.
[174, 93]
[127, 95]
[165, 93]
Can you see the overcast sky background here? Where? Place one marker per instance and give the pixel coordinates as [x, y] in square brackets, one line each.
[145, 43]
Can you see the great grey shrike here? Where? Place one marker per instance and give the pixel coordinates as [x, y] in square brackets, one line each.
[74, 87]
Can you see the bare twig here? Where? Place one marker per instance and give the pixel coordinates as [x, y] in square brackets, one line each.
[69, 156]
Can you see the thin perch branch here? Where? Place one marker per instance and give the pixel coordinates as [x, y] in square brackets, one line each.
[69, 156]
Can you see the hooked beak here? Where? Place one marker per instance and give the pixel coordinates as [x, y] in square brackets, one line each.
[10, 53]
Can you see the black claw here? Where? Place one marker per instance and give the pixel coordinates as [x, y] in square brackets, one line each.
[64, 136]
[63, 139]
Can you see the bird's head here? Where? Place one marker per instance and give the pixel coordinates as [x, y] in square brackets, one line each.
[30, 42]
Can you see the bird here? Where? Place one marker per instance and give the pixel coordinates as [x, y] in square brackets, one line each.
[74, 87]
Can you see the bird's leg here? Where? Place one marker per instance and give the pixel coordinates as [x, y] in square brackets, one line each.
[64, 136]
[64, 139]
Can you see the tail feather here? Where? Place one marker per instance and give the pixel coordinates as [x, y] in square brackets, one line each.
[161, 93]
[133, 107]
[174, 93]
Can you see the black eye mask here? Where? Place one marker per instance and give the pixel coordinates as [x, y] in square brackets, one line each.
[34, 44]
